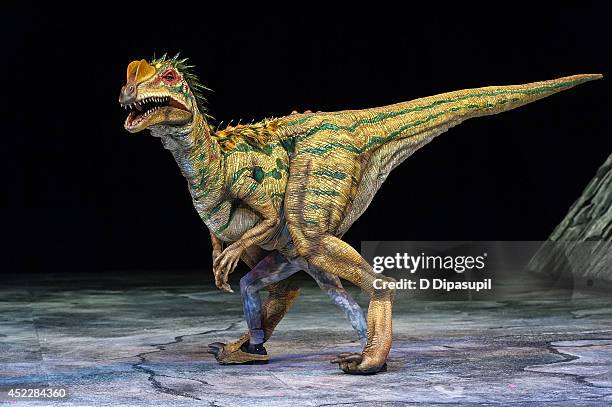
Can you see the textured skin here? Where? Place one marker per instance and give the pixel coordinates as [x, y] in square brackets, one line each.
[297, 183]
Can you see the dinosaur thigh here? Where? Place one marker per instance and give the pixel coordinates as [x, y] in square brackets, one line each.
[319, 192]
[320, 189]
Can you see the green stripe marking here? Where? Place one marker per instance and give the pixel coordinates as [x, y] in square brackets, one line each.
[322, 192]
[330, 174]
[377, 140]
[386, 115]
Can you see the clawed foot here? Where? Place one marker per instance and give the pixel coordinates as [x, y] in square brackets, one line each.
[228, 355]
[215, 349]
[355, 363]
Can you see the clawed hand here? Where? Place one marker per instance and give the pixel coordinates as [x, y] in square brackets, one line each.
[225, 263]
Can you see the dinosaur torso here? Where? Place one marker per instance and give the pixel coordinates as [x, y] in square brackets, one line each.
[238, 155]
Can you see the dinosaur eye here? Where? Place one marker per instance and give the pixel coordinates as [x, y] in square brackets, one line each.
[169, 76]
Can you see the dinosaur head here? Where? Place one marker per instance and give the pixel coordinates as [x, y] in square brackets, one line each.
[162, 92]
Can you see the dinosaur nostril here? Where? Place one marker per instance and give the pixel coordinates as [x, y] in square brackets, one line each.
[128, 94]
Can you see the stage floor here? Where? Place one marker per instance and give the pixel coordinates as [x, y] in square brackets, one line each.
[141, 340]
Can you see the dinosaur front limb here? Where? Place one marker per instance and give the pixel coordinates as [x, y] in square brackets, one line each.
[217, 245]
[217, 249]
[249, 192]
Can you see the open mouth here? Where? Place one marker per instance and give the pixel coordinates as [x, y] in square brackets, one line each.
[146, 108]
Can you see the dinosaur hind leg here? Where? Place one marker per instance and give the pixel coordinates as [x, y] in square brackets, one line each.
[335, 256]
[272, 269]
[274, 308]
[321, 186]
[340, 297]
[280, 298]
[266, 316]
[281, 294]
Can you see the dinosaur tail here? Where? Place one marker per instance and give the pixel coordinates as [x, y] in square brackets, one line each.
[393, 133]
[435, 114]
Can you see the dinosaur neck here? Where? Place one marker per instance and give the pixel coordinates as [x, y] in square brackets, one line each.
[198, 155]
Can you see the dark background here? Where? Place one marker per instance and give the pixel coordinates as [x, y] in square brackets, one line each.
[84, 195]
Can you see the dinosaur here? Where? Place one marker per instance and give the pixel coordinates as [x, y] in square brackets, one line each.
[281, 294]
[333, 162]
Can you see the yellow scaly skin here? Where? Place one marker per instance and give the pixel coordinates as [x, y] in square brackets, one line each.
[337, 163]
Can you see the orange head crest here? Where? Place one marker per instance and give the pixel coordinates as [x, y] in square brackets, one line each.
[161, 92]
[139, 71]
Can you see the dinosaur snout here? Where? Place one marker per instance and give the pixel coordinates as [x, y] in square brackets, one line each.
[137, 72]
[128, 94]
